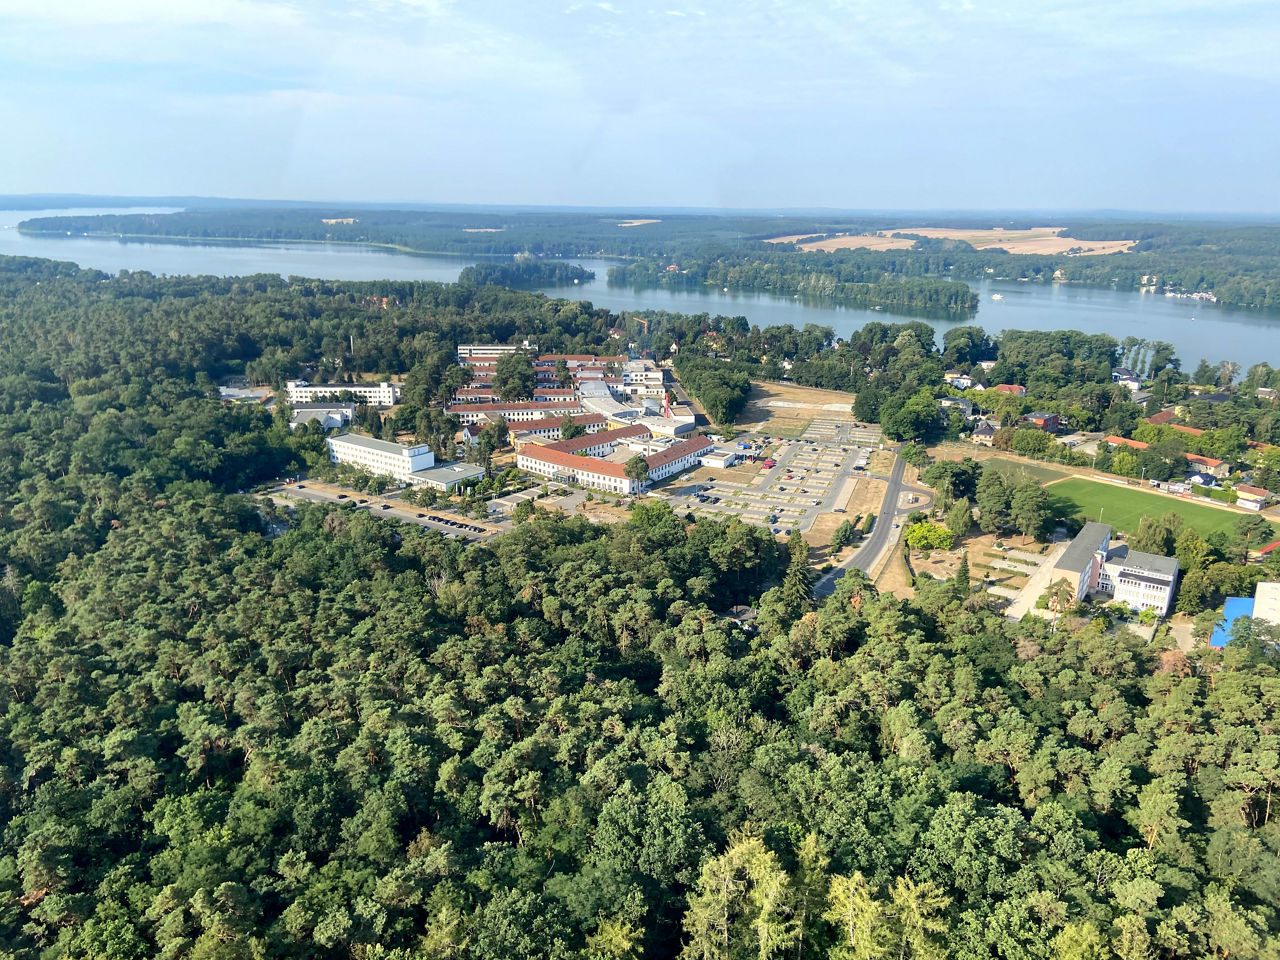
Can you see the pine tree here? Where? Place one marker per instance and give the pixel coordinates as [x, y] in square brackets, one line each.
[961, 580]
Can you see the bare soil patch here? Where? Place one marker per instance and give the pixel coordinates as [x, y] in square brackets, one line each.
[866, 498]
[848, 241]
[636, 223]
[792, 407]
[895, 578]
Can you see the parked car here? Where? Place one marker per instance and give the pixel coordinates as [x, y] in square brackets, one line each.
[342, 496]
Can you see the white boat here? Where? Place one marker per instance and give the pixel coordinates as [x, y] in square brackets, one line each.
[997, 296]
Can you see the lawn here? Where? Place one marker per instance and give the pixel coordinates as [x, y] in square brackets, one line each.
[1124, 507]
[1020, 469]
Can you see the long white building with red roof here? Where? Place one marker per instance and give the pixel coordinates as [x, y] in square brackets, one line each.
[596, 460]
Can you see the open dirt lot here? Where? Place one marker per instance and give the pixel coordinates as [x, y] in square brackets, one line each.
[1044, 240]
[636, 223]
[793, 407]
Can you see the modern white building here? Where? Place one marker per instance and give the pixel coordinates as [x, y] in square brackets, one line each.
[1139, 580]
[720, 459]
[446, 476]
[468, 350]
[641, 378]
[380, 457]
[329, 415]
[375, 394]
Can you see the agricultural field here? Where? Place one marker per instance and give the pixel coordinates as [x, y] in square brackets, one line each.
[1124, 507]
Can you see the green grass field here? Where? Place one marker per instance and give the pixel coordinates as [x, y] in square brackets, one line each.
[1124, 507]
[1020, 469]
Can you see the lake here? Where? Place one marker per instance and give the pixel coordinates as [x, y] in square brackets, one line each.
[1196, 329]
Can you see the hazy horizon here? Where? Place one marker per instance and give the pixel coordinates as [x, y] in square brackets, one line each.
[758, 106]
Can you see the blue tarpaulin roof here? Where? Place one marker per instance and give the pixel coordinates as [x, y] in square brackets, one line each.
[1232, 610]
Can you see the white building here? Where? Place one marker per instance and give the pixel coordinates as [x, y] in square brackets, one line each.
[1139, 580]
[468, 350]
[375, 394]
[513, 412]
[720, 459]
[380, 457]
[329, 415]
[597, 462]
[641, 378]
[446, 476]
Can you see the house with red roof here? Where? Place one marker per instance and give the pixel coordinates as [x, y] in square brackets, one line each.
[1010, 388]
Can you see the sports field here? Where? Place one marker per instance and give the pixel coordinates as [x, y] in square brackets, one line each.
[1124, 507]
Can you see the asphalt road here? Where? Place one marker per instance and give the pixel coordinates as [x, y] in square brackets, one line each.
[866, 556]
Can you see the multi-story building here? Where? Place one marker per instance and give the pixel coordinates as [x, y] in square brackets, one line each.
[597, 462]
[380, 457]
[513, 412]
[493, 350]
[375, 394]
[1090, 564]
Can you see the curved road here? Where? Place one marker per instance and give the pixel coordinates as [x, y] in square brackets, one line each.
[866, 556]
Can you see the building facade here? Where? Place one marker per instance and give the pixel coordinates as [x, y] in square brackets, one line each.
[380, 457]
[374, 394]
[1090, 564]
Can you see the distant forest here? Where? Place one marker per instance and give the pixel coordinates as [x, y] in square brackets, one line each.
[1238, 262]
[235, 731]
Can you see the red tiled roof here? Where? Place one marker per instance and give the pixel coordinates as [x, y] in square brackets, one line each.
[1126, 442]
[1248, 491]
[1191, 430]
[549, 454]
[546, 423]
[1203, 461]
[1009, 388]
[594, 439]
[1161, 418]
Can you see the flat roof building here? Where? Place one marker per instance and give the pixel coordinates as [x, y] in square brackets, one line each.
[375, 394]
[380, 457]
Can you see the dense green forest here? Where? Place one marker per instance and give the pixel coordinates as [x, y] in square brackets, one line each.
[809, 276]
[232, 731]
[1236, 261]
[526, 273]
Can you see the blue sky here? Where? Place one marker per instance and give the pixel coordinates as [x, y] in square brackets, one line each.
[862, 104]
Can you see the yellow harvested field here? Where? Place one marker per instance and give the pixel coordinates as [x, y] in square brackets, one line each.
[636, 223]
[866, 241]
[1042, 240]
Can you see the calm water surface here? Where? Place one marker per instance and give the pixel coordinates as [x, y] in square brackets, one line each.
[1195, 328]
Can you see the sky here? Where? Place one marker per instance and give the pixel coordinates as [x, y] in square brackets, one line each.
[846, 104]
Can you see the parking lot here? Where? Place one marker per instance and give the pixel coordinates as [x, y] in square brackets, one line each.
[453, 526]
[810, 476]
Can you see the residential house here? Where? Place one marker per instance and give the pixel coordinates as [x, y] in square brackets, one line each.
[1214, 468]
[1043, 420]
[1251, 498]
[1011, 388]
[983, 432]
[961, 381]
[1113, 441]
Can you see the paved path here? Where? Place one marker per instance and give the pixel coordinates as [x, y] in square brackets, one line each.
[866, 556]
[1036, 585]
